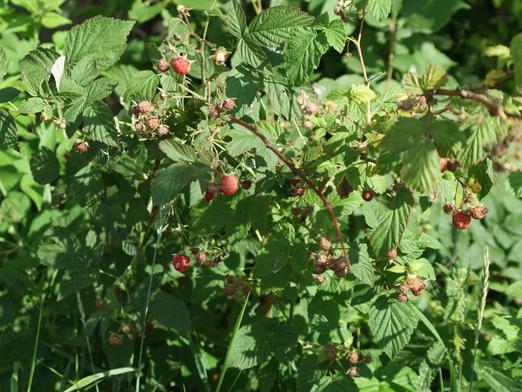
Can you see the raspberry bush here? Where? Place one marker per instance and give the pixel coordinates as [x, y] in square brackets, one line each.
[225, 195]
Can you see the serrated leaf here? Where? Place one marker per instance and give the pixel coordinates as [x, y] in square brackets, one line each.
[392, 323]
[379, 9]
[169, 182]
[36, 67]
[44, 166]
[102, 37]
[421, 169]
[447, 137]
[251, 53]
[516, 54]
[514, 184]
[8, 133]
[243, 350]
[32, 105]
[275, 25]
[479, 135]
[144, 85]
[497, 378]
[362, 267]
[99, 124]
[434, 76]
[336, 35]
[235, 18]
[178, 152]
[171, 312]
[302, 53]
[392, 224]
[361, 94]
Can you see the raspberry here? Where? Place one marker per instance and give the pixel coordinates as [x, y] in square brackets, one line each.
[453, 166]
[341, 273]
[319, 279]
[115, 340]
[140, 127]
[213, 111]
[209, 196]
[354, 357]
[62, 124]
[162, 130]
[229, 185]
[213, 188]
[246, 184]
[100, 304]
[367, 195]
[330, 352]
[180, 65]
[448, 208]
[321, 258]
[461, 220]
[402, 297]
[201, 257]
[220, 56]
[478, 212]
[392, 254]
[299, 191]
[319, 268]
[81, 146]
[229, 290]
[153, 123]
[181, 262]
[312, 108]
[143, 107]
[443, 162]
[163, 65]
[344, 188]
[324, 243]
[126, 328]
[353, 372]
[228, 104]
[416, 285]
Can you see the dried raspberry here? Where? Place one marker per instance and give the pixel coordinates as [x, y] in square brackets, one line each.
[180, 65]
[453, 166]
[478, 212]
[448, 208]
[461, 220]
[229, 185]
[299, 191]
[181, 262]
[415, 285]
[319, 269]
[246, 184]
[201, 257]
[344, 189]
[392, 254]
[100, 304]
[115, 339]
[81, 146]
[229, 290]
[402, 297]
[163, 65]
[319, 279]
[312, 108]
[220, 56]
[213, 111]
[367, 195]
[354, 357]
[324, 243]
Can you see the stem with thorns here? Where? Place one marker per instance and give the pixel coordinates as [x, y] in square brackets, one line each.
[303, 176]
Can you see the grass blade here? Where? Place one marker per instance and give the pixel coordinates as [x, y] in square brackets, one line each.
[226, 364]
[36, 341]
[94, 379]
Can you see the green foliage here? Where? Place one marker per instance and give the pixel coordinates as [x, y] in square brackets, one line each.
[348, 126]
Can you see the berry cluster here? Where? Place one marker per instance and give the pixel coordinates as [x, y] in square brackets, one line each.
[203, 259]
[324, 260]
[462, 218]
[414, 285]
[229, 186]
[146, 121]
[353, 357]
[235, 287]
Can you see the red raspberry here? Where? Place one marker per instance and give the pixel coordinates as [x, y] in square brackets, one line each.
[367, 195]
[209, 196]
[180, 65]
[229, 185]
[461, 220]
[115, 340]
[229, 104]
[246, 184]
[181, 262]
[100, 304]
[163, 65]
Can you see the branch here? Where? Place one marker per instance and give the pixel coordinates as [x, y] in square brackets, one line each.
[494, 108]
[299, 173]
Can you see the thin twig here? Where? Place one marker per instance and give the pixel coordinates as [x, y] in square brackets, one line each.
[302, 175]
[493, 107]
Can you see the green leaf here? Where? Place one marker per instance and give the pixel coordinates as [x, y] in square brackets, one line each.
[276, 25]
[379, 9]
[480, 135]
[52, 20]
[32, 105]
[8, 133]
[447, 137]
[235, 18]
[513, 183]
[94, 379]
[302, 53]
[362, 267]
[251, 53]
[102, 37]
[516, 54]
[144, 85]
[434, 76]
[392, 323]
[421, 169]
[4, 64]
[243, 351]
[336, 35]
[392, 224]
[171, 312]
[36, 67]
[99, 124]
[497, 378]
[44, 166]
[178, 152]
[169, 182]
